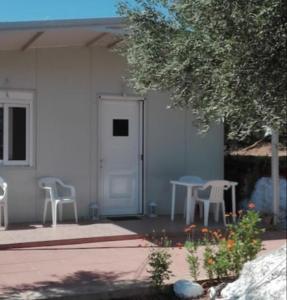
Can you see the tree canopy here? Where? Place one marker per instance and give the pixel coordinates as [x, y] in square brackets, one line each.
[221, 59]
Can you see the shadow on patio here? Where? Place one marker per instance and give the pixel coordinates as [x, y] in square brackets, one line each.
[79, 283]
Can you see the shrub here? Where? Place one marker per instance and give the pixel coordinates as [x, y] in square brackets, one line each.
[159, 262]
[240, 244]
[225, 255]
[192, 258]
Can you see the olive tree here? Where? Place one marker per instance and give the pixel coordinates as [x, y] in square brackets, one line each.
[225, 60]
[221, 59]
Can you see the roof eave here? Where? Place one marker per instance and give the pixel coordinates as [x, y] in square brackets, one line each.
[115, 24]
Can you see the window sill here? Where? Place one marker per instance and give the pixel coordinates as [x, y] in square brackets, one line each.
[21, 167]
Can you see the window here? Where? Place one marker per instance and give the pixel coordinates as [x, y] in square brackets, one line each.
[120, 127]
[15, 130]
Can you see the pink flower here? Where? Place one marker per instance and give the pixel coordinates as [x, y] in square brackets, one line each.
[251, 205]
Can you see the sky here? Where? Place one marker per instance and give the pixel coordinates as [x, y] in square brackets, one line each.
[23, 10]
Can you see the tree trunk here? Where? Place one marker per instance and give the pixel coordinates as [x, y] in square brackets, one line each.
[275, 175]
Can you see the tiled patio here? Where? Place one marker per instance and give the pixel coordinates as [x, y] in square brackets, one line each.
[37, 235]
[88, 271]
[105, 230]
[89, 261]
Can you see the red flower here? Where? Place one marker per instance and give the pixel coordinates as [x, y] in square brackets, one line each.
[204, 230]
[230, 244]
[189, 228]
[251, 205]
[179, 245]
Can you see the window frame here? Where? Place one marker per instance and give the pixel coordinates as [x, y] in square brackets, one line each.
[10, 99]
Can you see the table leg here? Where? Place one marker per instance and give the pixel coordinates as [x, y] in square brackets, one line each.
[188, 205]
[233, 204]
[192, 209]
[172, 202]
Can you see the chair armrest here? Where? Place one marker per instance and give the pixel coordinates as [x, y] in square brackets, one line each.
[227, 187]
[49, 190]
[71, 188]
[3, 197]
[204, 187]
[5, 192]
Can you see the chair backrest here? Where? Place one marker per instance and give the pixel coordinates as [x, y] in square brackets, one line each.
[3, 189]
[217, 188]
[49, 184]
[191, 179]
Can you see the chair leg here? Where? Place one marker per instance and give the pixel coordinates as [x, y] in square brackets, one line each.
[172, 203]
[75, 211]
[54, 213]
[192, 211]
[184, 208]
[200, 209]
[61, 212]
[45, 211]
[216, 212]
[0, 215]
[206, 213]
[6, 215]
[223, 213]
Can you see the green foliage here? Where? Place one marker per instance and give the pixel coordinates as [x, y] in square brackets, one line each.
[222, 59]
[241, 244]
[159, 261]
[246, 234]
[192, 258]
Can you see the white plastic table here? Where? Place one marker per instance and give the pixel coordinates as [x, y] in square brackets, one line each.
[190, 201]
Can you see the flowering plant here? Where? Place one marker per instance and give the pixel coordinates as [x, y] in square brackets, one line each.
[192, 258]
[159, 261]
[240, 244]
[226, 252]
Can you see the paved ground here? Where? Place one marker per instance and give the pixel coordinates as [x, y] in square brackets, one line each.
[43, 272]
[32, 233]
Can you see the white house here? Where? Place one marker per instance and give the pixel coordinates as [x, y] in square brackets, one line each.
[65, 111]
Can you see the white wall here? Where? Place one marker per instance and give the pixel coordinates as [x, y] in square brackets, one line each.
[66, 82]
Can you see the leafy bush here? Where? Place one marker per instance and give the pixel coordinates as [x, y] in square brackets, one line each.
[225, 253]
[192, 258]
[159, 262]
[240, 244]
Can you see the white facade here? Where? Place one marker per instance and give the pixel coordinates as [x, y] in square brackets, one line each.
[66, 83]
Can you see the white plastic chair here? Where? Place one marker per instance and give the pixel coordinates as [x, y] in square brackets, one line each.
[216, 196]
[57, 194]
[189, 179]
[3, 202]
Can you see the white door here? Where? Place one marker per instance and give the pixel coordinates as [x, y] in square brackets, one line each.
[120, 159]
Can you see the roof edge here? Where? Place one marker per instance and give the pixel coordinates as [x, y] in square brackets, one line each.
[113, 23]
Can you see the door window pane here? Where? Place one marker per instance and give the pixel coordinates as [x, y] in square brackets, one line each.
[1, 132]
[120, 127]
[17, 133]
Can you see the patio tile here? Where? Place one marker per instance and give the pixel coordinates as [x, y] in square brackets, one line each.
[36, 273]
[105, 228]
